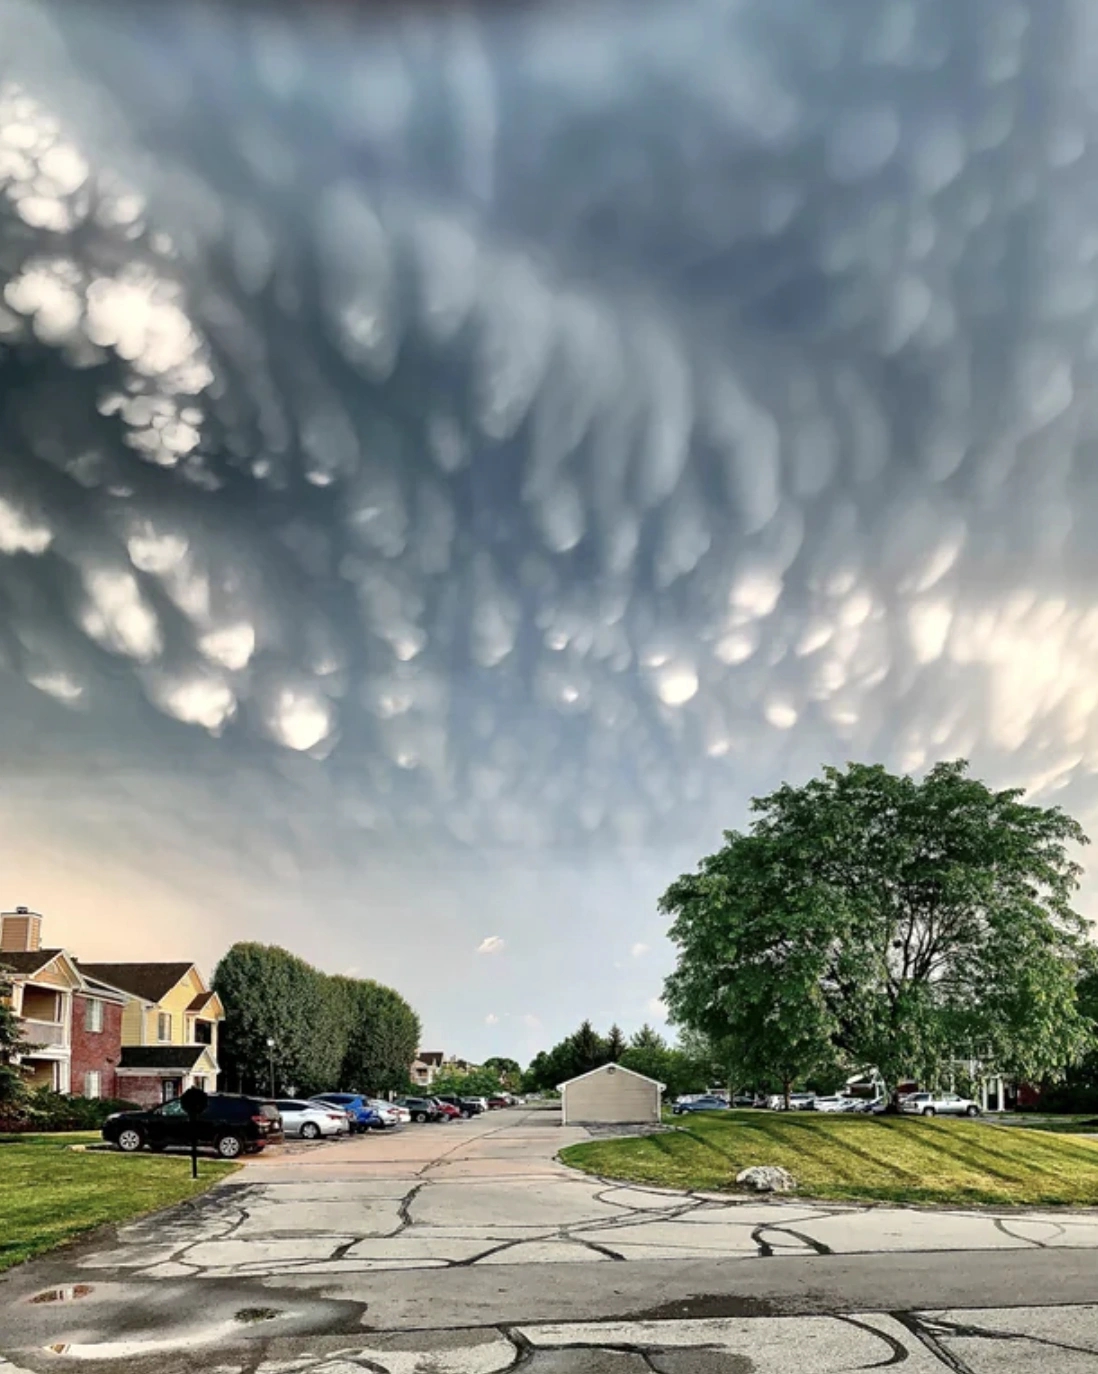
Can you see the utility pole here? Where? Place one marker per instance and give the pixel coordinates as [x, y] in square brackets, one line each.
[271, 1057]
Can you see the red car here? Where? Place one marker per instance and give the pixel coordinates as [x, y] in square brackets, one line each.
[495, 1103]
[446, 1110]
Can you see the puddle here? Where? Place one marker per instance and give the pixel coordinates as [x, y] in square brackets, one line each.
[248, 1315]
[70, 1294]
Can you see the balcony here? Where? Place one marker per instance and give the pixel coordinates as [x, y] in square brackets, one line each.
[47, 1035]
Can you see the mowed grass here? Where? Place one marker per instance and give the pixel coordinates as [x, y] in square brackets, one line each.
[858, 1158]
[49, 1193]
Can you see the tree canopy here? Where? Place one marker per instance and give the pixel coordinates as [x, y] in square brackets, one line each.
[12, 1082]
[647, 1052]
[886, 922]
[330, 1032]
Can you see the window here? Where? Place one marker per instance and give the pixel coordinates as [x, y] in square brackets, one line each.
[164, 1026]
[169, 1088]
[200, 1083]
[203, 1034]
[171, 1108]
[92, 1080]
[93, 1020]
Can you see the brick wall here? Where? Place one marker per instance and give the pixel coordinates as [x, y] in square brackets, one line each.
[96, 1049]
[144, 1089]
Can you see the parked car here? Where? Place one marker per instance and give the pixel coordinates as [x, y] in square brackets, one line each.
[467, 1106]
[421, 1108]
[743, 1100]
[446, 1110]
[311, 1120]
[871, 1105]
[939, 1104]
[389, 1113]
[231, 1125]
[833, 1104]
[360, 1114]
[499, 1101]
[701, 1104]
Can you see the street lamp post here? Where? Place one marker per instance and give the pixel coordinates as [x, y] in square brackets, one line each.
[271, 1057]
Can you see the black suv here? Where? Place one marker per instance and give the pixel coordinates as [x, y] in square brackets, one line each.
[421, 1108]
[231, 1125]
[467, 1106]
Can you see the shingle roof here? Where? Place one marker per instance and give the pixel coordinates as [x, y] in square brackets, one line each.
[430, 1056]
[160, 1056]
[147, 981]
[28, 961]
[199, 1002]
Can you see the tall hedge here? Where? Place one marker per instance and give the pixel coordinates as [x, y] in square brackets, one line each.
[330, 1032]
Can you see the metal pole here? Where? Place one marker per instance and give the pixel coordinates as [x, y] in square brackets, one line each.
[194, 1147]
[272, 1073]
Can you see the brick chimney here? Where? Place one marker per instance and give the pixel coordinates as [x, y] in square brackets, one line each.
[20, 931]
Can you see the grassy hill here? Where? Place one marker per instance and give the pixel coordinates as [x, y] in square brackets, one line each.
[858, 1158]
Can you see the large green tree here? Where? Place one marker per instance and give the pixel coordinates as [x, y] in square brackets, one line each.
[509, 1071]
[328, 1032]
[889, 922]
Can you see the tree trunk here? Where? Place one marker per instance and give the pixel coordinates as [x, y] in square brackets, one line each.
[786, 1086]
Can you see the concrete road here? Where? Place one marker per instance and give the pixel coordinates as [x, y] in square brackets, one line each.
[465, 1244]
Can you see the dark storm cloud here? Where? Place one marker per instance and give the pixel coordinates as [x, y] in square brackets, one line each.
[544, 428]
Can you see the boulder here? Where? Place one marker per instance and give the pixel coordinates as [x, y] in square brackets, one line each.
[766, 1178]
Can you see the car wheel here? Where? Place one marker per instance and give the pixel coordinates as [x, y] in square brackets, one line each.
[972, 1111]
[310, 1131]
[421, 1117]
[130, 1140]
[928, 1111]
[229, 1146]
[467, 1115]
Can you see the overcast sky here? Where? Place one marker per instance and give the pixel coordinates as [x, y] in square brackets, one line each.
[448, 464]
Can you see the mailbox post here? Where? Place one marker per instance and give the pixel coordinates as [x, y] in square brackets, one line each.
[194, 1102]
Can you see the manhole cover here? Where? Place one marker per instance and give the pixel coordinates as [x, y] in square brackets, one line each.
[256, 1314]
[70, 1294]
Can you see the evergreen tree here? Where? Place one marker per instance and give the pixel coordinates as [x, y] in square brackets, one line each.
[615, 1043]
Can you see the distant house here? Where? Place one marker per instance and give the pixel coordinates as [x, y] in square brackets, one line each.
[611, 1095]
[426, 1067]
[72, 1024]
[169, 1029]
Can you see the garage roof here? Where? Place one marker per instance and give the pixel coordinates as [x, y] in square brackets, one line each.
[617, 1068]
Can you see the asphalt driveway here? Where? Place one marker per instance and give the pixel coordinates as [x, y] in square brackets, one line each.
[475, 1225]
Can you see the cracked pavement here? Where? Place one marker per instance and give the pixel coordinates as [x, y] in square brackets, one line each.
[471, 1248]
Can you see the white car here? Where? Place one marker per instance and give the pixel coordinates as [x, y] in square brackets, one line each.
[311, 1120]
[939, 1104]
[390, 1113]
[833, 1104]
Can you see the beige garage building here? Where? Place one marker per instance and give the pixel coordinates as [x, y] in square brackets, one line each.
[611, 1095]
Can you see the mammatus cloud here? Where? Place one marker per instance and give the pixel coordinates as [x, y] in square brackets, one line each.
[410, 490]
[491, 944]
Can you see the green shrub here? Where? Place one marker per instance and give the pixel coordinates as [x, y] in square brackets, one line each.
[44, 1110]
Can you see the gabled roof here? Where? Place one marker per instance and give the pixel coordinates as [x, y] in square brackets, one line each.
[202, 1001]
[615, 1068]
[30, 961]
[156, 1057]
[430, 1056]
[150, 982]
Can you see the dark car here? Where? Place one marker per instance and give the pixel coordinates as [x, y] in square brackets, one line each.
[701, 1104]
[465, 1105]
[231, 1125]
[421, 1108]
[360, 1113]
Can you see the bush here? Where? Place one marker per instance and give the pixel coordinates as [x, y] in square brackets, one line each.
[44, 1110]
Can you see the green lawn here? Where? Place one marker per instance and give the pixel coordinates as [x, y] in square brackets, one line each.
[858, 1158]
[49, 1193]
